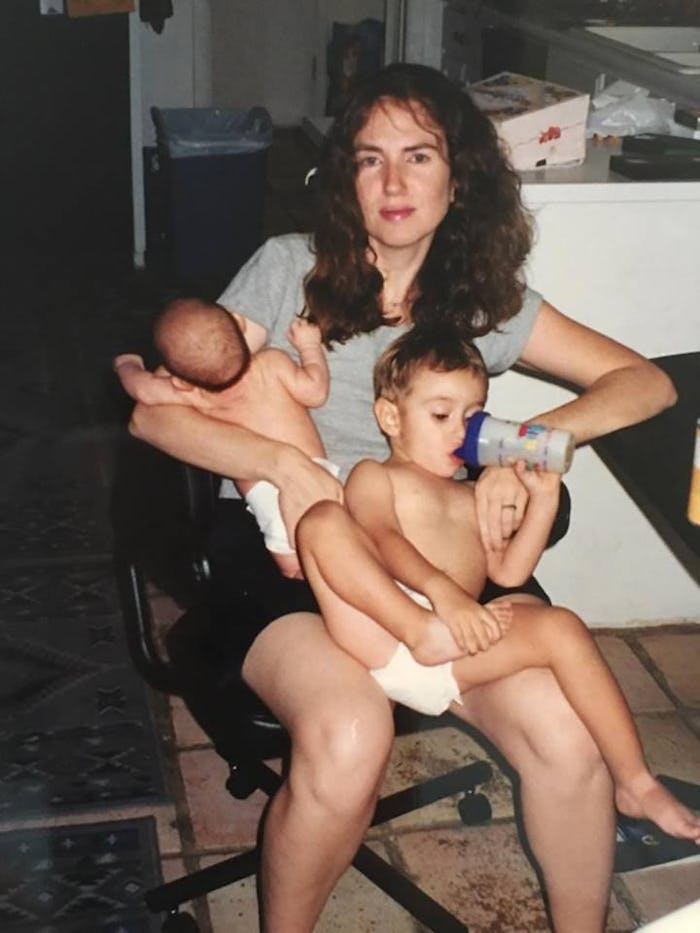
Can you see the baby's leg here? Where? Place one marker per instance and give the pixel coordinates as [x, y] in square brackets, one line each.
[289, 565]
[544, 636]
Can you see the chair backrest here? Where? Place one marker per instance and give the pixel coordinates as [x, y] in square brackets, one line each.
[161, 515]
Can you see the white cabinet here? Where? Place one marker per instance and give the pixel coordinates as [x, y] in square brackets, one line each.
[620, 257]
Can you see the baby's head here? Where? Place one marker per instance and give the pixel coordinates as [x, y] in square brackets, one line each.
[201, 343]
[427, 383]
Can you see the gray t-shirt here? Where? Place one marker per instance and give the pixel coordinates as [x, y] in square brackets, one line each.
[269, 290]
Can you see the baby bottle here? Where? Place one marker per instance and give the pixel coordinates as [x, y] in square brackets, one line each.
[490, 440]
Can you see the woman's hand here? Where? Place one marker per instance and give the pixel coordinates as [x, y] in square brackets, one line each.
[301, 483]
[501, 500]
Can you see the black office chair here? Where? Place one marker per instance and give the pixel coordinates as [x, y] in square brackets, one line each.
[162, 512]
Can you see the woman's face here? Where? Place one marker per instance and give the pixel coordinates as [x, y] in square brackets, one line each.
[403, 179]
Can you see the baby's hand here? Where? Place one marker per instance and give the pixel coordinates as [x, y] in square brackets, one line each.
[127, 358]
[538, 482]
[303, 334]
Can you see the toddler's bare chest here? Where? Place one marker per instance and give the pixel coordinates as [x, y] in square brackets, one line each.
[440, 520]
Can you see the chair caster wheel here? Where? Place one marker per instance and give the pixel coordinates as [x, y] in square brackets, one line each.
[239, 784]
[474, 809]
[180, 923]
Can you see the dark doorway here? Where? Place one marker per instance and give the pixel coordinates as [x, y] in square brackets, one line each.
[64, 132]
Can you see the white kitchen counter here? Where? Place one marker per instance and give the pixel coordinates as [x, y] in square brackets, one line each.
[592, 181]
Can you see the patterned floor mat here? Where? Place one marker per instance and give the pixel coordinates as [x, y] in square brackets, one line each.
[75, 725]
[79, 879]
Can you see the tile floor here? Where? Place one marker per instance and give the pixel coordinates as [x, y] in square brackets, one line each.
[479, 873]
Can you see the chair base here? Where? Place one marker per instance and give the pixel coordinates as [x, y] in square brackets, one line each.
[168, 897]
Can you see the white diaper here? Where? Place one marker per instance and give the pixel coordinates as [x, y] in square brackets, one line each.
[262, 501]
[427, 689]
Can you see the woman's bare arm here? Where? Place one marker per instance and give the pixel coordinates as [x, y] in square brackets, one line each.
[230, 450]
[619, 388]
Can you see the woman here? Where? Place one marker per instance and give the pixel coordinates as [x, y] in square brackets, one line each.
[419, 218]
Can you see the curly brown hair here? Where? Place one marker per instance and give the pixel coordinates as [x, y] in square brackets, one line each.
[472, 274]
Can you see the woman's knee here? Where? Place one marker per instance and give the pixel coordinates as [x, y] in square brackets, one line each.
[556, 622]
[557, 632]
[339, 756]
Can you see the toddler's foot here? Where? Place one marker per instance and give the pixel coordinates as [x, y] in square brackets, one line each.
[435, 643]
[648, 799]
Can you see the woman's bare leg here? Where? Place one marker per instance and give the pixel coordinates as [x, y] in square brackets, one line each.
[341, 727]
[544, 635]
[565, 791]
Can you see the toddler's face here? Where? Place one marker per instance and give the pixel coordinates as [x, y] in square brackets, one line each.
[432, 417]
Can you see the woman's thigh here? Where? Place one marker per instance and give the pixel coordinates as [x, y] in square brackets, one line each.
[331, 706]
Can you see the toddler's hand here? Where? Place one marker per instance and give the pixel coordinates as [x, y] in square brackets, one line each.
[473, 626]
[303, 334]
[538, 482]
[442, 640]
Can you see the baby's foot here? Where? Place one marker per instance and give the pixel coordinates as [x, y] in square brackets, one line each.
[435, 643]
[289, 565]
[648, 799]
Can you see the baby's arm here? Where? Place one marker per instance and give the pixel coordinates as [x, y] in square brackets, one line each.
[515, 564]
[144, 386]
[369, 497]
[307, 383]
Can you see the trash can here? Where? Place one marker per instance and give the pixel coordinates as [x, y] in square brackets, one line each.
[213, 167]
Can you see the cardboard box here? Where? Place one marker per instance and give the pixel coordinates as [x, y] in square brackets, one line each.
[541, 123]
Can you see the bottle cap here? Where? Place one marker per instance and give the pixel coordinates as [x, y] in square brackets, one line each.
[469, 450]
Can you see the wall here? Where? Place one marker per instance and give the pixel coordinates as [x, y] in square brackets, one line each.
[170, 69]
[176, 64]
[273, 53]
[262, 53]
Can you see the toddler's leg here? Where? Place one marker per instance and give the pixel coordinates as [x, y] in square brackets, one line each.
[345, 571]
[556, 638]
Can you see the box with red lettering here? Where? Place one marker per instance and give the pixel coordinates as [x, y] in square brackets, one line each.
[541, 123]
